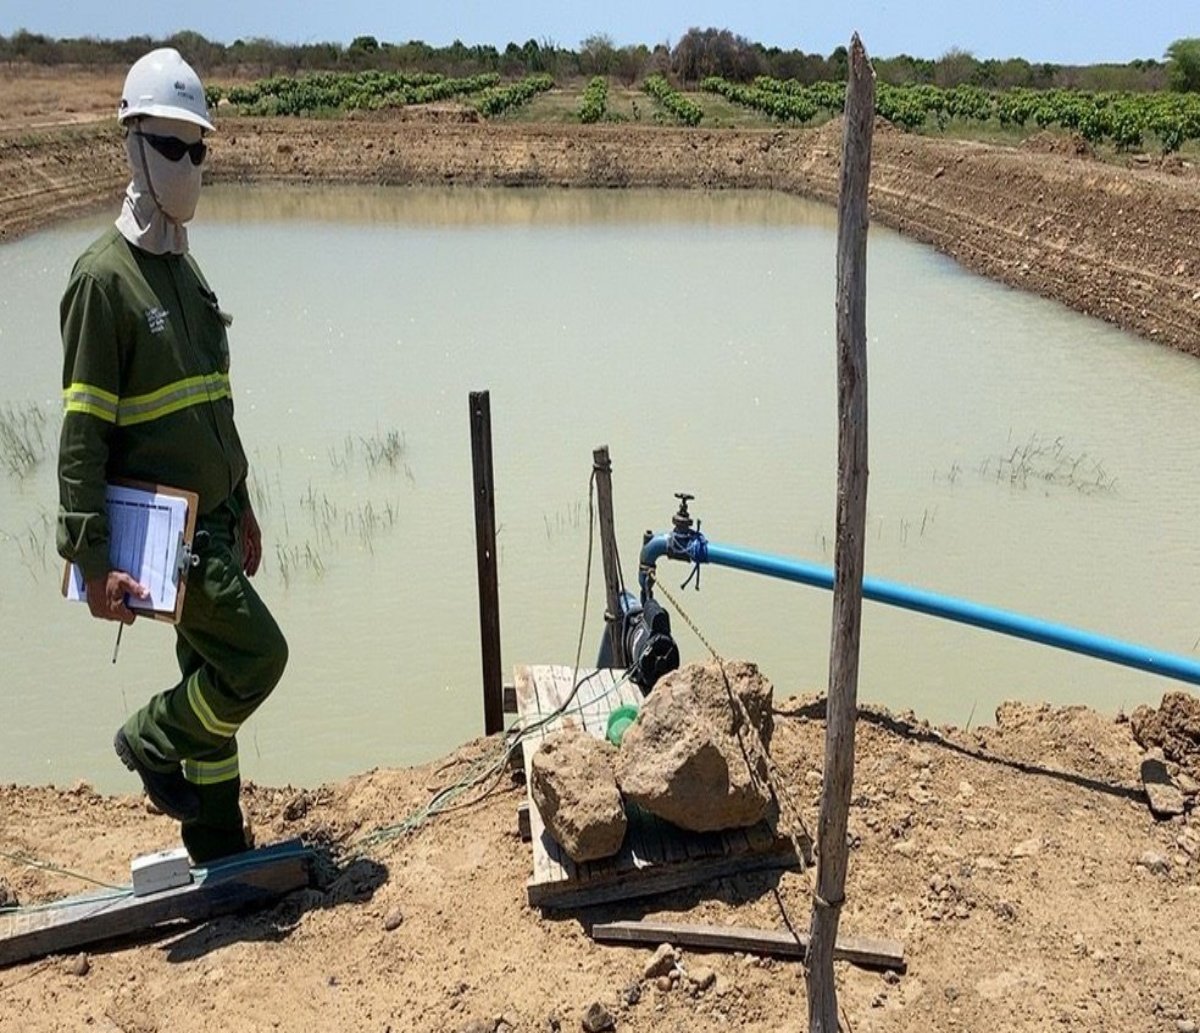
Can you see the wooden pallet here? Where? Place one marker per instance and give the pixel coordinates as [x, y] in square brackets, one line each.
[656, 856]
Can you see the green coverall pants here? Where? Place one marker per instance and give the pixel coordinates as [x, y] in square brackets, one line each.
[231, 655]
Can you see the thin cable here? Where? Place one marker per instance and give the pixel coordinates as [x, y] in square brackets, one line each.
[65, 903]
[45, 866]
[587, 584]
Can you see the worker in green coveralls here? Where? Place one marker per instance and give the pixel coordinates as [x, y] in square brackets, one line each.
[147, 396]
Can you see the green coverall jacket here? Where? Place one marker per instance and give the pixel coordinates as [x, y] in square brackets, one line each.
[145, 387]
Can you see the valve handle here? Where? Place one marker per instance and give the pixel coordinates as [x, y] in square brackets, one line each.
[682, 520]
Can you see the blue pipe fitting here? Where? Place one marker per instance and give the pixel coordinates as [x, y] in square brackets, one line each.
[692, 546]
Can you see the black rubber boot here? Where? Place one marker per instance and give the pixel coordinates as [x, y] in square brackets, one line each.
[219, 829]
[169, 791]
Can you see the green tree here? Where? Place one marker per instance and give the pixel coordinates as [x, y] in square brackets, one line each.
[597, 55]
[704, 52]
[955, 67]
[1183, 65]
[838, 64]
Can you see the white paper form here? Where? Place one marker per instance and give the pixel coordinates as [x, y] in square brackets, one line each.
[145, 539]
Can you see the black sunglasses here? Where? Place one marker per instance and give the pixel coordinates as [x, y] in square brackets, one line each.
[173, 149]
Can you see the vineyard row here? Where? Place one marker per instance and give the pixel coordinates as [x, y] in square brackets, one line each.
[1125, 119]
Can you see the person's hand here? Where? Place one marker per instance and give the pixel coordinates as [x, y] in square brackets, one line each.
[251, 536]
[106, 596]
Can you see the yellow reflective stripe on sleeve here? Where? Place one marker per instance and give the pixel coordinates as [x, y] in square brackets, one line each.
[172, 398]
[210, 772]
[204, 713]
[87, 398]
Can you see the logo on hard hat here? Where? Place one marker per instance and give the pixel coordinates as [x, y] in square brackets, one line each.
[179, 85]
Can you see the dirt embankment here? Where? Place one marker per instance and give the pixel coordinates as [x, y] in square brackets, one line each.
[1017, 863]
[1119, 243]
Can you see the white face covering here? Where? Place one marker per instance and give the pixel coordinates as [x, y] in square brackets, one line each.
[163, 194]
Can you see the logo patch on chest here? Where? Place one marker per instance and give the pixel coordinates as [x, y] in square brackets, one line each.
[156, 319]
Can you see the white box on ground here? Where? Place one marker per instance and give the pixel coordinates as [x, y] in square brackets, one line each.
[166, 870]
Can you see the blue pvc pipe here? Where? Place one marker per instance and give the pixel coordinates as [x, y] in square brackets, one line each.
[695, 549]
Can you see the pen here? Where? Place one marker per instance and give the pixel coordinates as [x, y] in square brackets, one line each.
[117, 644]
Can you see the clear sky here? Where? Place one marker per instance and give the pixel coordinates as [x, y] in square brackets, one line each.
[1061, 31]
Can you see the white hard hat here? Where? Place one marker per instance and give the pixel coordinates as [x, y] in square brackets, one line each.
[164, 85]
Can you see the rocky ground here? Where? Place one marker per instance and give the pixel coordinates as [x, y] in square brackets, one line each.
[1018, 863]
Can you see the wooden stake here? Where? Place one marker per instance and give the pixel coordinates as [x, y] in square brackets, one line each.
[602, 467]
[842, 709]
[485, 556]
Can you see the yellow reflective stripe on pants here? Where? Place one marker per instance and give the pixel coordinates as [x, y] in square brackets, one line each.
[204, 712]
[180, 394]
[88, 398]
[211, 772]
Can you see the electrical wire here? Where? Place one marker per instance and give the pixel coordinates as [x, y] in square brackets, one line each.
[46, 866]
[66, 902]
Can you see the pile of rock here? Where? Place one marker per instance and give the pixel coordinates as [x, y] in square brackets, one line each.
[696, 756]
[1173, 728]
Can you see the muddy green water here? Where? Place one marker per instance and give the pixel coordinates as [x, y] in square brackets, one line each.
[1021, 456]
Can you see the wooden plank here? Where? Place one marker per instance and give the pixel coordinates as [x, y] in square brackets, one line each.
[737, 842]
[862, 951]
[523, 829]
[641, 841]
[759, 837]
[612, 887]
[598, 699]
[551, 688]
[541, 695]
[248, 880]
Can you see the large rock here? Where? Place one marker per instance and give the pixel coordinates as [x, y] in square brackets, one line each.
[1174, 728]
[691, 758]
[571, 777]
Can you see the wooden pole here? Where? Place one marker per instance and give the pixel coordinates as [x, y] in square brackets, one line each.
[485, 556]
[602, 468]
[842, 709]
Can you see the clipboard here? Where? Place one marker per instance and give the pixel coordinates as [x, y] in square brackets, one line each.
[151, 531]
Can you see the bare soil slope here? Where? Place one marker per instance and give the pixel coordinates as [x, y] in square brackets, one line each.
[1018, 864]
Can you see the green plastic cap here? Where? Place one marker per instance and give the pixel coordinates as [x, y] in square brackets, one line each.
[618, 721]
